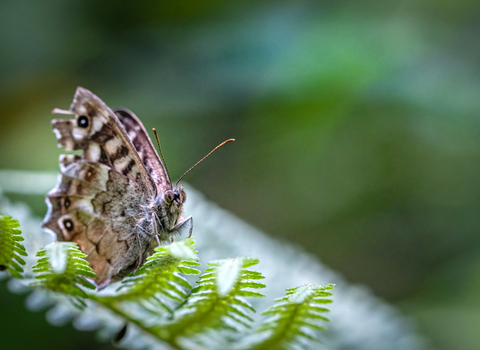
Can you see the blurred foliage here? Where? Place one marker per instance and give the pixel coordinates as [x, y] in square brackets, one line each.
[361, 321]
[356, 121]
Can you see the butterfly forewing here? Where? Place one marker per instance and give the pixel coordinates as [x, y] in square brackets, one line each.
[98, 132]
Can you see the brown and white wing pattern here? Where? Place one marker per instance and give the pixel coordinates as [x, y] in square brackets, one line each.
[98, 132]
[101, 200]
[98, 208]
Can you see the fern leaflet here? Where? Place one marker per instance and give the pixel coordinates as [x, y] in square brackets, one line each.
[294, 318]
[61, 268]
[216, 303]
[10, 248]
[157, 284]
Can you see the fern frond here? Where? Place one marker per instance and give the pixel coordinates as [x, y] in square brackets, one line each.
[10, 248]
[158, 284]
[61, 268]
[295, 319]
[216, 303]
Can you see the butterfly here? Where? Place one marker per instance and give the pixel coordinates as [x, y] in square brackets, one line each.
[115, 200]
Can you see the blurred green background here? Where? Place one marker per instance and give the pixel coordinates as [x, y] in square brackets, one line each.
[357, 127]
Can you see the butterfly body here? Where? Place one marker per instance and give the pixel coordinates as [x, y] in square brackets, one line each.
[115, 200]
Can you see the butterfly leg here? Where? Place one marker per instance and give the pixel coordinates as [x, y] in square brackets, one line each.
[191, 227]
[140, 257]
[154, 219]
[182, 225]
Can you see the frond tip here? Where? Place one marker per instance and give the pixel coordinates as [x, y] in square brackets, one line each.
[61, 268]
[10, 248]
[293, 320]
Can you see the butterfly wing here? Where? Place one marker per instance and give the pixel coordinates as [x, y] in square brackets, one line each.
[98, 132]
[97, 208]
[102, 197]
[144, 146]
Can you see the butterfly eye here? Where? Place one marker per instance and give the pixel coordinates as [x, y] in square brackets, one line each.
[68, 224]
[82, 121]
[67, 202]
[169, 197]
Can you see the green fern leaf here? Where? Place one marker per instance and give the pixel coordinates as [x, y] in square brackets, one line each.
[294, 319]
[216, 303]
[157, 283]
[62, 269]
[10, 248]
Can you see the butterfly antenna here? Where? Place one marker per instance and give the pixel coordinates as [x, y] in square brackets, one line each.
[161, 153]
[201, 160]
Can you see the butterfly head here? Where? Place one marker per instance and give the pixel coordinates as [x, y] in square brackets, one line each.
[174, 198]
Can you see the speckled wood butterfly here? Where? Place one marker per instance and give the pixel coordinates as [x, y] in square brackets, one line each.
[115, 200]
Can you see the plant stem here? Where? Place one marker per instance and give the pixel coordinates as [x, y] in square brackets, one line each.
[112, 307]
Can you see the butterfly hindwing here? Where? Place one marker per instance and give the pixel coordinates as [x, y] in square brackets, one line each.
[98, 208]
